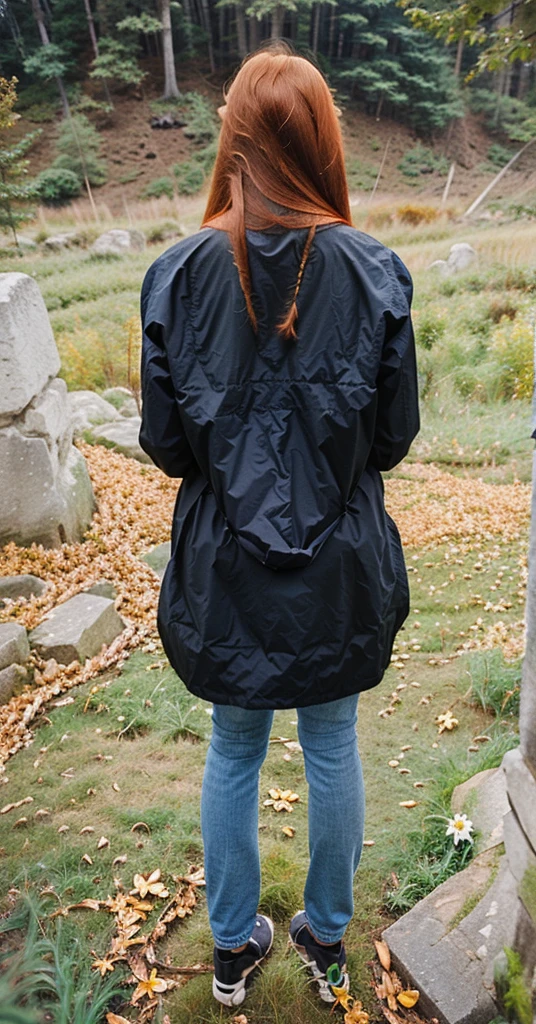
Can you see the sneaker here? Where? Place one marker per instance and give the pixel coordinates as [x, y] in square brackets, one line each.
[233, 971]
[327, 964]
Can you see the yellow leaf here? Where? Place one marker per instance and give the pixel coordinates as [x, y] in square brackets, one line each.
[408, 997]
[115, 1018]
[384, 955]
[287, 830]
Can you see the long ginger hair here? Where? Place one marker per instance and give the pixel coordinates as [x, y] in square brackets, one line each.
[280, 160]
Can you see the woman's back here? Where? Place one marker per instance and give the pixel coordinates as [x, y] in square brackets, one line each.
[283, 431]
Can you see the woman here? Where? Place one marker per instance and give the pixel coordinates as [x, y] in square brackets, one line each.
[279, 381]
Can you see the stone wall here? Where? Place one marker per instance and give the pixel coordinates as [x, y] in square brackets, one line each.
[45, 490]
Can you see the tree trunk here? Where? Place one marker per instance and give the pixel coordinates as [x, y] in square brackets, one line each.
[171, 89]
[254, 34]
[241, 31]
[340, 44]
[278, 17]
[332, 26]
[316, 27]
[91, 27]
[207, 25]
[459, 57]
[38, 15]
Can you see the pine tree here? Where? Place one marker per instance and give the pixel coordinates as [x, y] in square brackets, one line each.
[14, 192]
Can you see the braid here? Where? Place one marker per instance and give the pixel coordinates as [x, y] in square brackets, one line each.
[286, 326]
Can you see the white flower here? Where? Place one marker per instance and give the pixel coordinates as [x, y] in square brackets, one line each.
[460, 827]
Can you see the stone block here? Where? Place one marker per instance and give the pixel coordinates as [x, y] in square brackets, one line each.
[12, 679]
[158, 557]
[28, 354]
[461, 257]
[88, 409]
[39, 500]
[450, 960]
[77, 629]
[13, 644]
[123, 436]
[483, 798]
[61, 241]
[122, 400]
[521, 785]
[14, 587]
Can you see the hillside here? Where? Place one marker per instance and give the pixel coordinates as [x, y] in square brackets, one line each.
[137, 154]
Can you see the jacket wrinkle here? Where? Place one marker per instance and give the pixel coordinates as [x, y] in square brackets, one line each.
[286, 583]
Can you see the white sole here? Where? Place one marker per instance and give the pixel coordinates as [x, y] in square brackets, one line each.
[234, 995]
[324, 988]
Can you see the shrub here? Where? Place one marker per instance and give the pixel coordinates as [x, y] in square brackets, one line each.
[413, 213]
[512, 349]
[429, 328]
[162, 231]
[421, 160]
[201, 125]
[495, 684]
[157, 188]
[190, 177]
[57, 185]
[79, 147]
[499, 155]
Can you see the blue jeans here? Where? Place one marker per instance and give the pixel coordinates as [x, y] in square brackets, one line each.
[229, 817]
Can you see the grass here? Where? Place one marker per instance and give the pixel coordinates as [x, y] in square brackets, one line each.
[136, 744]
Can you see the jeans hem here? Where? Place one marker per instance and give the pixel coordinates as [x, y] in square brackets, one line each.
[323, 936]
[232, 943]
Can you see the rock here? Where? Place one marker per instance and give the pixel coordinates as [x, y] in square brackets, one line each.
[483, 798]
[461, 257]
[61, 241]
[88, 409]
[46, 495]
[450, 960]
[15, 587]
[26, 243]
[13, 644]
[28, 354]
[118, 241]
[521, 786]
[77, 629]
[12, 679]
[123, 400]
[48, 417]
[103, 589]
[158, 557]
[123, 436]
[42, 499]
[441, 266]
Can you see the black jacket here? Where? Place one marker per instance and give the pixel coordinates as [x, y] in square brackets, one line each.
[286, 583]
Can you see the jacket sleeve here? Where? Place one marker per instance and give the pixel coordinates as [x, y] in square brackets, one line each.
[161, 433]
[397, 418]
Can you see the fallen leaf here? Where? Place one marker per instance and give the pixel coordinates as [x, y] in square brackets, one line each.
[19, 822]
[446, 722]
[408, 997]
[86, 830]
[384, 955]
[139, 825]
[119, 860]
[146, 988]
[115, 1018]
[144, 884]
[287, 830]
[87, 858]
[408, 803]
[102, 966]
[115, 787]
[369, 842]
[63, 828]
[18, 803]
[103, 841]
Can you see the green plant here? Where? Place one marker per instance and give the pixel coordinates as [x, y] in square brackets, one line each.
[15, 193]
[495, 684]
[512, 348]
[513, 992]
[57, 185]
[190, 177]
[79, 146]
[421, 160]
[157, 188]
[499, 155]
[429, 328]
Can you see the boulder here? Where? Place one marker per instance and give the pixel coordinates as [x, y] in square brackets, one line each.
[48, 417]
[158, 557]
[123, 436]
[14, 587]
[42, 499]
[521, 785]
[12, 679]
[483, 798]
[13, 644]
[26, 243]
[118, 241]
[461, 257]
[87, 409]
[77, 629]
[28, 354]
[123, 400]
[61, 241]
